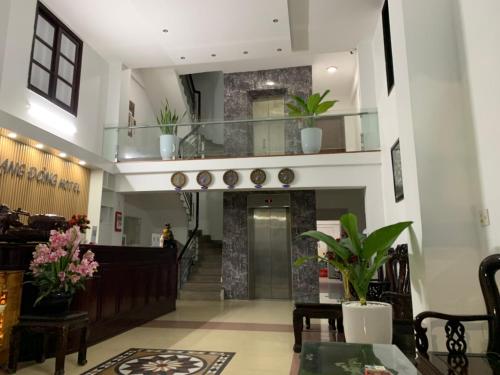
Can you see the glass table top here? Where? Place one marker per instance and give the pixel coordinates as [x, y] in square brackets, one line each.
[335, 358]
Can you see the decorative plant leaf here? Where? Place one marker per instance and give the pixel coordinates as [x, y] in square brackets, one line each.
[312, 103]
[324, 94]
[294, 110]
[350, 224]
[330, 242]
[325, 106]
[301, 102]
[383, 238]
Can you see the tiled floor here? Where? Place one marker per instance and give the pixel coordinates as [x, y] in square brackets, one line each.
[259, 331]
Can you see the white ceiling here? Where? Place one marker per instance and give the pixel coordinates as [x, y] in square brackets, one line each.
[130, 31]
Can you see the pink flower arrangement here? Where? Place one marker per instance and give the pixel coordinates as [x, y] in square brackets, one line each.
[57, 266]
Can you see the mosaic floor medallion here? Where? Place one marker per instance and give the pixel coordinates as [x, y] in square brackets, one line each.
[163, 362]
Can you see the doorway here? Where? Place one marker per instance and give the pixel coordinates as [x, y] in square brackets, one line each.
[269, 136]
[270, 256]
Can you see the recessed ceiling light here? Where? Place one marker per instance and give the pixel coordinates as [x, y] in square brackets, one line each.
[279, 50]
[165, 30]
[62, 154]
[82, 162]
[331, 69]
[39, 146]
[270, 83]
[245, 52]
[213, 55]
[183, 58]
[12, 135]
[276, 20]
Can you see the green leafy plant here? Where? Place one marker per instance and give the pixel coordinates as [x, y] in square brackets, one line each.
[167, 119]
[356, 256]
[312, 106]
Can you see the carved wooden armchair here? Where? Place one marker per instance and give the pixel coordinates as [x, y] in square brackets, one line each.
[397, 273]
[455, 330]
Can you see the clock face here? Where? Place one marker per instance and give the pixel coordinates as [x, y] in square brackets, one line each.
[258, 176]
[204, 178]
[230, 178]
[286, 176]
[178, 179]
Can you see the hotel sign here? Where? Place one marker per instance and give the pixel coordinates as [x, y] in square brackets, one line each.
[41, 176]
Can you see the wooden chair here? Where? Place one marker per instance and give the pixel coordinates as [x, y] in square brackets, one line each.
[455, 330]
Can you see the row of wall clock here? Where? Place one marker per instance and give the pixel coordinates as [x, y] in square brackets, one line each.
[231, 178]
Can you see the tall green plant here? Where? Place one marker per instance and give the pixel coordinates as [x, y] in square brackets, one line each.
[312, 106]
[357, 257]
[167, 120]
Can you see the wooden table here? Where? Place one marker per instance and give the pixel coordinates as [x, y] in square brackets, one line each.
[308, 307]
[60, 325]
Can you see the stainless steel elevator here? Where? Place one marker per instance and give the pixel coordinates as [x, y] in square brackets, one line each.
[269, 246]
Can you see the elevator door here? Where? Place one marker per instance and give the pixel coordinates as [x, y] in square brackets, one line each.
[271, 253]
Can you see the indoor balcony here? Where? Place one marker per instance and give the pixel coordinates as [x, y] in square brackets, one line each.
[245, 138]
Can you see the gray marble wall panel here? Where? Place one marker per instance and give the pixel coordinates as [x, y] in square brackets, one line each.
[235, 259]
[240, 89]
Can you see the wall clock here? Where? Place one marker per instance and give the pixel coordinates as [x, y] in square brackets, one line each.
[258, 177]
[286, 176]
[230, 178]
[178, 179]
[204, 179]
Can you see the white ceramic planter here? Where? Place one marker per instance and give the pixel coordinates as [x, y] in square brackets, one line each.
[311, 140]
[169, 144]
[370, 324]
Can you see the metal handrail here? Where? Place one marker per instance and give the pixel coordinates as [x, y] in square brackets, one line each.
[244, 121]
[194, 233]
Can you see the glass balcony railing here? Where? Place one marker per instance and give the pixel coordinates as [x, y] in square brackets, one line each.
[353, 132]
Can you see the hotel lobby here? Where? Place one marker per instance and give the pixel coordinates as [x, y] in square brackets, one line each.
[249, 187]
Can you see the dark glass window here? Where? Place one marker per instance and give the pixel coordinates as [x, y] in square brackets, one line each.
[56, 59]
[389, 64]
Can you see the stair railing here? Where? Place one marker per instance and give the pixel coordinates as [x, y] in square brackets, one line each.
[189, 252]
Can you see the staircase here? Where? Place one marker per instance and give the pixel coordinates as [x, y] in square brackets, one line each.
[204, 281]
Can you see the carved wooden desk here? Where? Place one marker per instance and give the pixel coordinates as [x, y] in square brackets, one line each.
[60, 326]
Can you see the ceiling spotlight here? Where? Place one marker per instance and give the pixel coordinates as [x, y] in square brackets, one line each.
[165, 30]
[183, 58]
[270, 83]
[39, 146]
[245, 52]
[213, 55]
[331, 69]
[275, 20]
[62, 154]
[82, 162]
[12, 135]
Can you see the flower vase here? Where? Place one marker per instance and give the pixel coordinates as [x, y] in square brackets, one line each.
[54, 304]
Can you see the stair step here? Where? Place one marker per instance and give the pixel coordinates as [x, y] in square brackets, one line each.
[191, 285]
[208, 271]
[200, 296]
[201, 278]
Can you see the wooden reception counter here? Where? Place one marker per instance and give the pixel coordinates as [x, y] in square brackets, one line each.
[133, 285]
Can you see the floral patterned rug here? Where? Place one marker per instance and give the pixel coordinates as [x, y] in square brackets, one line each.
[163, 362]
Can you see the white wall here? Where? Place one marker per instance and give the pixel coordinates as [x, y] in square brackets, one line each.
[211, 211]
[211, 87]
[356, 170]
[107, 233]
[427, 110]
[4, 22]
[15, 97]
[480, 32]
[155, 210]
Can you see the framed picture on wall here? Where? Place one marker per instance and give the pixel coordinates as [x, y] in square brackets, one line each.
[131, 118]
[397, 172]
[118, 221]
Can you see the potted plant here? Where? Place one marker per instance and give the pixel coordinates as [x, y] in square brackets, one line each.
[358, 258]
[314, 105]
[169, 142]
[59, 271]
